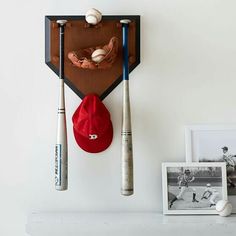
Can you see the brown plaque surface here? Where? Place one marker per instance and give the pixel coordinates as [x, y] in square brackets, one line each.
[79, 35]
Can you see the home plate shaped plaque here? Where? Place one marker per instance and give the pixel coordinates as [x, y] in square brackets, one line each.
[80, 35]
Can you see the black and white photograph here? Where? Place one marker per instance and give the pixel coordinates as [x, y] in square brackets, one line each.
[214, 144]
[193, 188]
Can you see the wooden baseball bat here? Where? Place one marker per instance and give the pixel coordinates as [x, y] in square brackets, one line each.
[61, 159]
[126, 132]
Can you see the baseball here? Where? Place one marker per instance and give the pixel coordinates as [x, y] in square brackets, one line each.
[224, 208]
[98, 55]
[93, 16]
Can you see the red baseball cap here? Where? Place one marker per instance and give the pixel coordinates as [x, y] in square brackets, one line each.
[92, 125]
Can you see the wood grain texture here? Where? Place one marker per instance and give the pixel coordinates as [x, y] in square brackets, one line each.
[79, 35]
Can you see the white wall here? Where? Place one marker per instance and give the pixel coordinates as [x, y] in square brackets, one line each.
[187, 75]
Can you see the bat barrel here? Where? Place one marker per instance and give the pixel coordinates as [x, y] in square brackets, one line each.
[126, 133]
[127, 147]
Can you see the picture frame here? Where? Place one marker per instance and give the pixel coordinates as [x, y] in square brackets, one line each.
[214, 143]
[207, 185]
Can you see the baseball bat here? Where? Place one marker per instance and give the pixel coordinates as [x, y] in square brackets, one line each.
[61, 159]
[126, 132]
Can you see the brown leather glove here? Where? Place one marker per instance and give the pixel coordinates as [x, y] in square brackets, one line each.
[82, 57]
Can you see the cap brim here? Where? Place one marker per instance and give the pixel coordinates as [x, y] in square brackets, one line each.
[95, 145]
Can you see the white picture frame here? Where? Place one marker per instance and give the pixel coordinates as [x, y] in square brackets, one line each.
[223, 134]
[188, 208]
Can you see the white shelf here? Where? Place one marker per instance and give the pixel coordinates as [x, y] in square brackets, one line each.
[127, 224]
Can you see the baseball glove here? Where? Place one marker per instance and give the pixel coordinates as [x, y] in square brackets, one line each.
[82, 58]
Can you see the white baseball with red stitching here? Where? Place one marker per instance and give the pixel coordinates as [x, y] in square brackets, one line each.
[98, 55]
[93, 16]
[224, 208]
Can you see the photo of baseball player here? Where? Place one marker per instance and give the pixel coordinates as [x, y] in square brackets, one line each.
[229, 159]
[184, 180]
[214, 143]
[210, 194]
[194, 187]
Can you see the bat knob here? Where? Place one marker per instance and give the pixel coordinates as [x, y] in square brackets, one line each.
[61, 22]
[125, 21]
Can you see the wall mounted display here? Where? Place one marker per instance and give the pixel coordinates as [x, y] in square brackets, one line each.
[193, 188]
[214, 143]
[92, 54]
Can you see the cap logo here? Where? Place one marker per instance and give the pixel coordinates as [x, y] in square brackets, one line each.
[93, 136]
